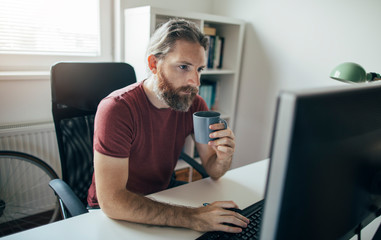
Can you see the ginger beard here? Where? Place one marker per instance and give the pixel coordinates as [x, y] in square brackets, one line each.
[179, 99]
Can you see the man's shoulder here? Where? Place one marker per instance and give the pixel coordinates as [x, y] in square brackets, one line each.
[122, 96]
[126, 91]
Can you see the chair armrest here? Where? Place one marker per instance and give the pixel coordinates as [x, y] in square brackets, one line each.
[71, 202]
[199, 168]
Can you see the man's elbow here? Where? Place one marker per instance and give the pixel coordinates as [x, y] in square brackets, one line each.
[110, 207]
[107, 208]
[216, 176]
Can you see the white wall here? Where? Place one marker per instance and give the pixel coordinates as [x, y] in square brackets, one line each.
[23, 101]
[295, 44]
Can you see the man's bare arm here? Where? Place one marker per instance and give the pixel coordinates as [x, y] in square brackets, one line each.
[111, 175]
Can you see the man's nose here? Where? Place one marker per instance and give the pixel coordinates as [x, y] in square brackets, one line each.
[194, 79]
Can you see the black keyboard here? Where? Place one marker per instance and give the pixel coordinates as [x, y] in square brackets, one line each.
[253, 213]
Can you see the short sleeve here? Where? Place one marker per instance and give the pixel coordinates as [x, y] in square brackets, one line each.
[113, 128]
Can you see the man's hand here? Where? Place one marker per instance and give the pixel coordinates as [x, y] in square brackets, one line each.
[216, 216]
[225, 144]
[217, 155]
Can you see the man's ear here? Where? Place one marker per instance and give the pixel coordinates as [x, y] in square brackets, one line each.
[152, 63]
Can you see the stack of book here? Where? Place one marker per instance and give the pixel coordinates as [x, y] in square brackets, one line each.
[214, 54]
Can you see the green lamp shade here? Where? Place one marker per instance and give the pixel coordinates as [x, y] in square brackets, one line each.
[349, 72]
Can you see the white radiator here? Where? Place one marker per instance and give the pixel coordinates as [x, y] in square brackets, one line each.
[39, 140]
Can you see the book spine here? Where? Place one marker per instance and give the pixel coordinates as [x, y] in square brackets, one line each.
[222, 42]
[211, 51]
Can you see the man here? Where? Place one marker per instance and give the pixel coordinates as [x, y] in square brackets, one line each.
[141, 129]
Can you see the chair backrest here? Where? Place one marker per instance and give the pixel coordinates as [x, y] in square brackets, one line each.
[77, 88]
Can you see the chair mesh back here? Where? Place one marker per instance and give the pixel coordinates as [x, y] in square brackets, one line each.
[77, 140]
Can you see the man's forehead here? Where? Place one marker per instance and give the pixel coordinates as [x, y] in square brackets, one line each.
[182, 59]
[188, 52]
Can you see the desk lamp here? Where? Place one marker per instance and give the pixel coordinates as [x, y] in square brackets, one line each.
[350, 72]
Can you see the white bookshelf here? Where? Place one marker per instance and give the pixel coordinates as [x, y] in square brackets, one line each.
[141, 22]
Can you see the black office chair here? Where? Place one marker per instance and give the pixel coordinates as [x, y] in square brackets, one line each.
[77, 89]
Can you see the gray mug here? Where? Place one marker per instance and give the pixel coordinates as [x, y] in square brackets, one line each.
[201, 122]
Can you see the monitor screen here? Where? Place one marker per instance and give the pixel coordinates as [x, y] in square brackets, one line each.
[324, 178]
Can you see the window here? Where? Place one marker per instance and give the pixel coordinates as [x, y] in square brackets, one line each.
[34, 34]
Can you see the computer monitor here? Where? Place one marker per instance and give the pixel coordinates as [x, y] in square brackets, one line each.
[324, 178]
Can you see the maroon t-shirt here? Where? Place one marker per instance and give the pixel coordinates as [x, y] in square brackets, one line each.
[128, 125]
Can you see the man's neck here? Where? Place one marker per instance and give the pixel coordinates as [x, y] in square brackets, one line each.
[148, 86]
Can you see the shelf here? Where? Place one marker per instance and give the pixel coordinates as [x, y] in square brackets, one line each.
[217, 72]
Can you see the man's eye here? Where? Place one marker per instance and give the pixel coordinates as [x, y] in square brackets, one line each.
[200, 69]
[183, 67]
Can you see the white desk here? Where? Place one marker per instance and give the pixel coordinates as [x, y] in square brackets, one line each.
[244, 185]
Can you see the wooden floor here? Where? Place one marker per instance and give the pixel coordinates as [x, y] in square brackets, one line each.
[26, 223]
[183, 175]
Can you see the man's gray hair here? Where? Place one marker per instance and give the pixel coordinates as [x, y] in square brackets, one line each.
[165, 37]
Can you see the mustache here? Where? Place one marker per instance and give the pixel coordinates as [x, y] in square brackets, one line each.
[188, 89]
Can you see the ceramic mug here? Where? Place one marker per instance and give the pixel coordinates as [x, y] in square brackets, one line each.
[201, 122]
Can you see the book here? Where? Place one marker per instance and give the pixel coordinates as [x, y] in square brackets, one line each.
[217, 52]
[221, 53]
[210, 56]
[211, 31]
[208, 92]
